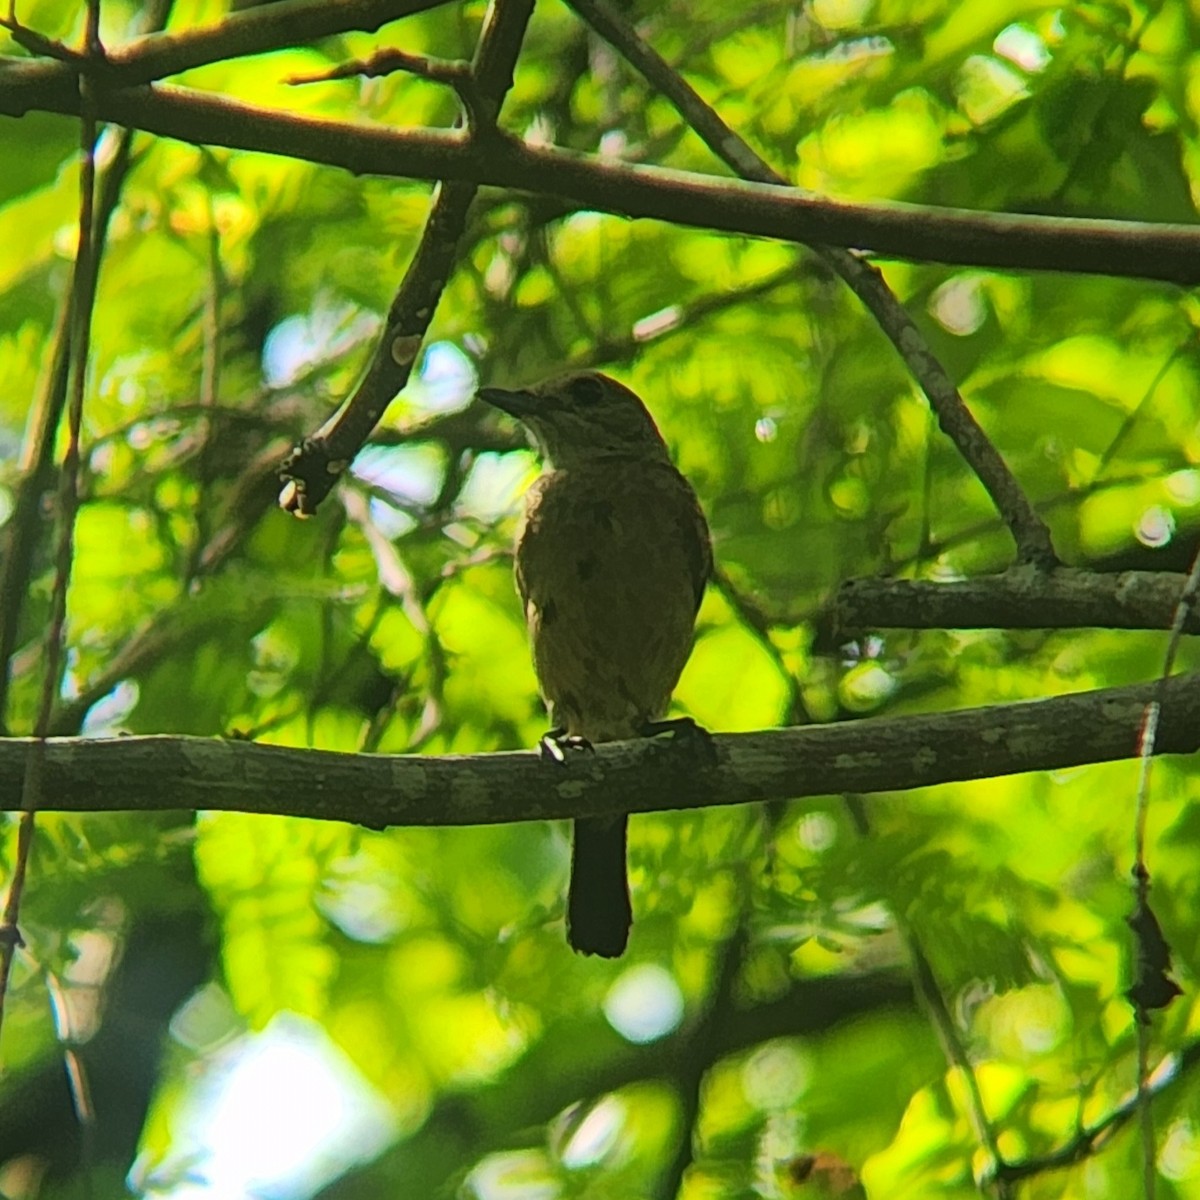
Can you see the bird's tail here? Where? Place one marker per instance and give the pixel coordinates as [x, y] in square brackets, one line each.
[598, 909]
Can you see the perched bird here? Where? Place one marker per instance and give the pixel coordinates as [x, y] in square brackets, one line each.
[611, 562]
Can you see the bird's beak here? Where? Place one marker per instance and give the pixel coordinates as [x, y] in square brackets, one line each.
[516, 404]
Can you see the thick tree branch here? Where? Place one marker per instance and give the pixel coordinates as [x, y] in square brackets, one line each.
[1017, 599]
[949, 235]
[152, 774]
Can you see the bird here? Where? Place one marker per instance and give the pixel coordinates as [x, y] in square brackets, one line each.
[612, 557]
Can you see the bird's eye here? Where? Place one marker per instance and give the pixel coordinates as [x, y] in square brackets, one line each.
[587, 390]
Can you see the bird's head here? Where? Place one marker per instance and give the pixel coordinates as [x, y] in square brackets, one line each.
[582, 417]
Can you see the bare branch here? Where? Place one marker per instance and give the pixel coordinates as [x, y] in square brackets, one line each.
[18, 540]
[1135, 249]
[150, 774]
[312, 469]
[954, 418]
[929, 992]
[1021, 598]
[389, 61]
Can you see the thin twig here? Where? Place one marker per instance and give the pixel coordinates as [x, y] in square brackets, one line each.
[78, 1086]
[1183, 615]
[251, 31]
[36, 43]
[19, 539]
[1131, 418]
[702, 1052]
[929, 992]
[704, 1039]
[1146, 1112]
[1101, 101]
[388, 61]
[1029, 531]
[753, 617]
[210, 384]
[455, 73]
[1091, 1137]
[83, 295]
[1152, 987]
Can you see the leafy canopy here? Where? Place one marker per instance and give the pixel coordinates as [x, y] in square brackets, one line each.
[764, 1012]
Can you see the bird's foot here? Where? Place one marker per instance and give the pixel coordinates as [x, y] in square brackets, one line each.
[685, 733]
[556, 744]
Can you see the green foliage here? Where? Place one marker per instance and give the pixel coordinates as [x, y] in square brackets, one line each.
[238, 298]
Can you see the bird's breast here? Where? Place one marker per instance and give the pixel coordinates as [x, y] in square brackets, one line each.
[611, 562]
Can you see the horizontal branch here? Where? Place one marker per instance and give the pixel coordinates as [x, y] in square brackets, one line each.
[1023, 598]
[884, 754]
[1149, 251]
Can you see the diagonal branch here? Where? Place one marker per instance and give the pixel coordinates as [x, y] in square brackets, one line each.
[929, 992]
[1091, 1138]
[312, 469]
[956, 420]
[150, 774]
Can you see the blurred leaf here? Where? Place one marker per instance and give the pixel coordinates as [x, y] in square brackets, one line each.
[238, 299]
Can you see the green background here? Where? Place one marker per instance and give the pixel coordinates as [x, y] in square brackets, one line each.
[238, 298]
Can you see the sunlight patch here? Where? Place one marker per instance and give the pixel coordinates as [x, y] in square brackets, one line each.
[281, 1113]
[644, 1004]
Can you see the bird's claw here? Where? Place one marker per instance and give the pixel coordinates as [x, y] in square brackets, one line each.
[558, 743]
[684, 732]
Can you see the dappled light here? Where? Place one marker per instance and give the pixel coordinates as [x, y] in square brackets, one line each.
[906, 291]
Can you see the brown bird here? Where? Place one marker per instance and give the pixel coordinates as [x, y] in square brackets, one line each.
[611, 562]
